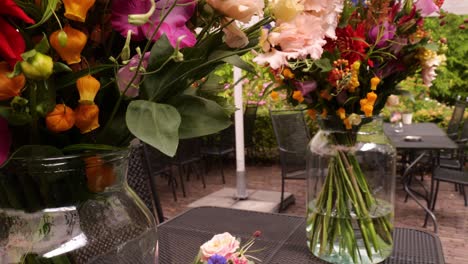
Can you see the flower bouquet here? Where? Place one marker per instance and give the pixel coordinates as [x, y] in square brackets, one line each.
[343, 59]
[225, 249]
[79, 80]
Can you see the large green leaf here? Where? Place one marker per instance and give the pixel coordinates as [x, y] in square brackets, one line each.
[161, 51]
[236, 60]
[155, 124]
[199, 116]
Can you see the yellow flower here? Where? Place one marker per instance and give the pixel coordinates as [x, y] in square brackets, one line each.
[374, 82]
[88, 87]
[77, 9]
[297, 95]
[286, 10]
[71, 51]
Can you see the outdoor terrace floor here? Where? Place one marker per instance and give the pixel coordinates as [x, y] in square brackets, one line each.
[450, 211]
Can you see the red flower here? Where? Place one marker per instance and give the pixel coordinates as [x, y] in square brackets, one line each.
[11, 42]
[351, 42]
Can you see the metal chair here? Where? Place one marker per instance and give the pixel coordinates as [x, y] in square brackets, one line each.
[292, 136]
[250, 114]
[160, 165]
[219, 146]
[187, 159]
[456, 119]
[140, 180]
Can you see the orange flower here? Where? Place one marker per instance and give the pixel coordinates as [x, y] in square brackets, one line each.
[371, 97]
[98, 174]
[87, 117]
[77, 9]
[88, 87]
[374, 82]
[62, 118]
[347, 123]
[341, 112]
[9, 87]
[287, 73]
[325, 95]
[71, 51]
[297, 95]
[312, 113]
[274, 95]
[367, 109]
[324, 113]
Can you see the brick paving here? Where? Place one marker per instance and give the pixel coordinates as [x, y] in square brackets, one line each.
[450, 210]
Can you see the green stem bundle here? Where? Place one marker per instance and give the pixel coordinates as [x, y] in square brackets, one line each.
[342, 219]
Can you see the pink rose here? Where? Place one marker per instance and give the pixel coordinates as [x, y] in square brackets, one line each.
[221, 244]
[239, 259]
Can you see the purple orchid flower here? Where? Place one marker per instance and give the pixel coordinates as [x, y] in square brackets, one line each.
[306, 87]
[174, 26]
[5, 140]
[385, 31]
[127, 72]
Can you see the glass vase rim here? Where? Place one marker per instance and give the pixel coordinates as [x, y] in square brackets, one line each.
[107, 155]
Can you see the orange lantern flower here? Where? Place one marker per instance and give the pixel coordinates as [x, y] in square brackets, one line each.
[77, 9]
[98, 174]
[312, 113]
[341, 113]
[374, 82]
[87, 117]
[9, 87]
[297, 95]
[71, 51]
[88, 87]
[62, 118]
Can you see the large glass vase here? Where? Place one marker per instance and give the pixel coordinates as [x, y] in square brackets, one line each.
[73, 210]
[350, 192]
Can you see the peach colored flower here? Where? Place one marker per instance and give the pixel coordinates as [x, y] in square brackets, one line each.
[392, 100]
[222, 244]
[241, 10]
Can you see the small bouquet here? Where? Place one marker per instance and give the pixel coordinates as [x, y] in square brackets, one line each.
[225, 249]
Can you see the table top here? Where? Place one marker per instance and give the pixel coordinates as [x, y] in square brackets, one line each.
[432, 137]
[283, 237]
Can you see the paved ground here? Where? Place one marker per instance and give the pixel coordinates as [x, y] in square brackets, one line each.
[451, 213]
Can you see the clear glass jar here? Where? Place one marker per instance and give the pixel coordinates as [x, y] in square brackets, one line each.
[73, 209]
[350, 192]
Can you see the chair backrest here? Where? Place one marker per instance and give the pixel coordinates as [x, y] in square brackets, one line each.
[188, 150]
[138, 177]
[456, 119]
[250, 114]
[292, 136]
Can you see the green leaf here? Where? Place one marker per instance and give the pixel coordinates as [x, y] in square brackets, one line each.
[236, 60]
[43, 46]
[161, 51]
[199, 116]
[45, 97]
[51, 6]
[16, 71]
[61, 67]
[155, 124]
[323, 64]
[29, 54]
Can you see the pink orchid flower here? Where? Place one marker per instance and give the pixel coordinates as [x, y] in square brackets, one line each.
[127, 72]
[174, 26]
[426, 7]
[5, 140]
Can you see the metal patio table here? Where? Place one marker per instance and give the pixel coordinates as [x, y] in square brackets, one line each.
[432, 140]
[282, 239]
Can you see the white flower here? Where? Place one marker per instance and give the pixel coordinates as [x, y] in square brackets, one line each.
[221, 244]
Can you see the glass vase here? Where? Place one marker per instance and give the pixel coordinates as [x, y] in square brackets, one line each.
[350, 192]
[73, 209]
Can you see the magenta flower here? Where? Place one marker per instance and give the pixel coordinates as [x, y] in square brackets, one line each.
[174, 26]
[426, 7]
[127, 72]
[5, 140]
[382, 33]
